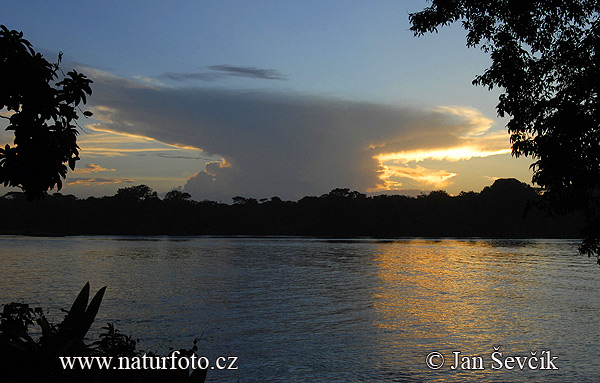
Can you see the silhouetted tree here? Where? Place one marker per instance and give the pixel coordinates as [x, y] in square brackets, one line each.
[136, 193]
[41, 108]
[436, 195]
[237, 200]
[177, 195]
[545, 58]
[343, 193]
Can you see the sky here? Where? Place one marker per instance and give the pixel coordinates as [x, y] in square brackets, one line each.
[271, 98]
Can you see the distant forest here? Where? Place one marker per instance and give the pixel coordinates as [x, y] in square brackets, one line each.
[506, 209]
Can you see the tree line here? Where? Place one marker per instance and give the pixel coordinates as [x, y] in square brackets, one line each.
[506, 209]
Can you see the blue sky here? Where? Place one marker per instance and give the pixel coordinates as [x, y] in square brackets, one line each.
[225, 98]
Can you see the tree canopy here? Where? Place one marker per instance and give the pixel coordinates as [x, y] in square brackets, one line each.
[496, 212]
[544, 58]
[177, 196]
[40, 104]
[137, 193]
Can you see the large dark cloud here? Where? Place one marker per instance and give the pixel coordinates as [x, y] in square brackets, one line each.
[282, 144]
[222, 71]
[247, 71]
[178, 76]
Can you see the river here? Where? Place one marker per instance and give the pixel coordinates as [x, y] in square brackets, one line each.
[319, 310]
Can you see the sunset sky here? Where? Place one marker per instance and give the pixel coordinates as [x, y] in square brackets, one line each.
[271, 98]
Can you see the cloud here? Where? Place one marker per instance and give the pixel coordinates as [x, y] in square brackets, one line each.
[449, 154]
[150, 80]
[291, 145]
[97, 181]
[491, 179]
[203, 76]
[99, 142]
[91, 168]
[219, 72]
[178, 157]
[216, 182]
[6, 113]
[248, 71]
[436, 178]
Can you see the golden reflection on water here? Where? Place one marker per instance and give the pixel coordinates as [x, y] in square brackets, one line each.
[450, 296]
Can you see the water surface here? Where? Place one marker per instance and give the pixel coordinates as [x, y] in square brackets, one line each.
[300, 309]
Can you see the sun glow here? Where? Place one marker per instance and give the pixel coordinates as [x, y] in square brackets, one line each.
[99, 181]
[92, 168]
[102, 142]
[431, 178]
[449, 154]
[395, 166]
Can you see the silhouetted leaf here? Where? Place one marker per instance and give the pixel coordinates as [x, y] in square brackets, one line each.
[93, 308]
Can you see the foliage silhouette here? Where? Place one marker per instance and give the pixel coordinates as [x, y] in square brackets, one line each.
[23, 358]
[137, 193]
[545, 58]
[177, 196]
[41, 108]
[496, 212]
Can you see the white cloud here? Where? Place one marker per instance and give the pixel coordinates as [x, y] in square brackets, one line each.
[92, 168]
[432, 178]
